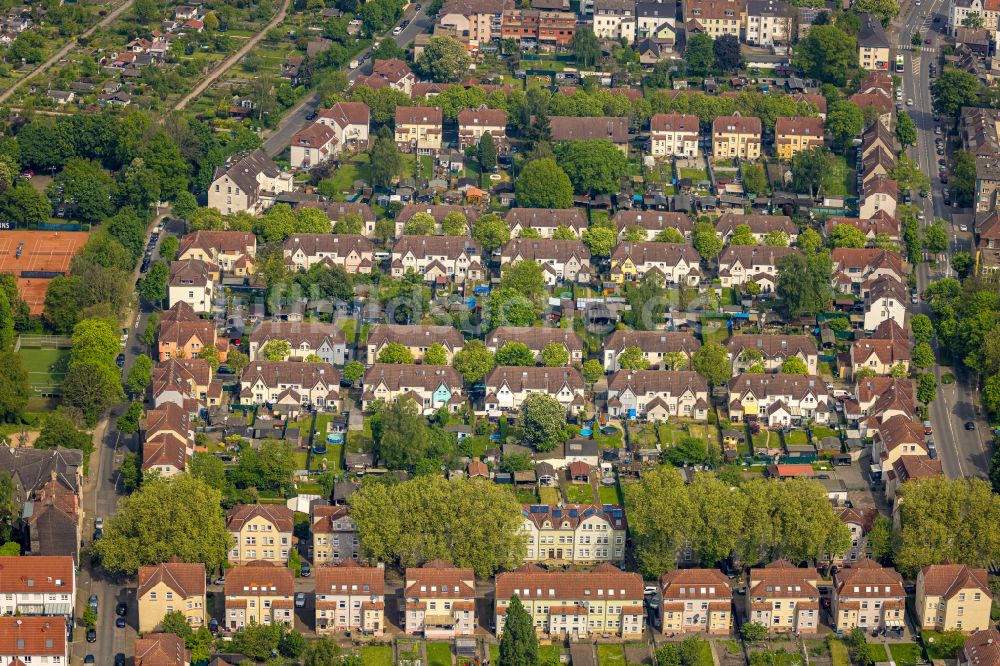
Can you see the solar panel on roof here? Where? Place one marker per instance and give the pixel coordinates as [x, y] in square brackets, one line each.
[537, 509]
[556, 513]
[573, 513]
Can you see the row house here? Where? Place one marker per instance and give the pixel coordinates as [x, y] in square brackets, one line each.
[439, 601]
[980, 136]
[784, 598]
[760, 226]
[676, 263]
[614, 20]
[353, 253]
[655, 23]
[653, 223]
[437, 211]
[171, 586]
[186, 382]
[714, 18]
[953, 597]
[882, 224]
[696, 600]
[878, 137]
[988, 241]
[658, 347]
[888, 347]
[417, 338]
[877, 163]
[48, 483]
[770, 351]
[168, 439]
[474, 123]
[305, 339]
[258, 593]
[430, 386]
[574, 533]
[507, 387]
[674, 135]
[418, 129]
[337, 210]
[768, 23]
[33, 640]
[879, 194]
[735, 137]
[437, 258]
[289, 386]
[655, 395]
[546, 29]
[39, 585]
[779, 400]
[876, 399]
[192, 281]
[229, 250]
[855, 269]
[572, 128]
[537, 338]
[350, 597]
[350, 122]
[574, 604]
[392, 73]
[881, 106]
[910, 468]
[247, 183]
[739, 264]
[545, 221]
[334, 534]
[475, 22]
[868, 596]
[561, 260]
[312, 146]
[885, 301]
[260, 532]
[795, 135]
[894, 437]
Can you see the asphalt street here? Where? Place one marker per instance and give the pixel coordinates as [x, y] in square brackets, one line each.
[963, 452]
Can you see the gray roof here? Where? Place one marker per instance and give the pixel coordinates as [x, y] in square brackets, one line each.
[33, 468]
[872, 35]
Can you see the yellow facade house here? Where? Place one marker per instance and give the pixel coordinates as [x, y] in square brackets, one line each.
[696, 600]
[795, 135]
[953, 596]
[171, 586]
[784, 598]
[736, 136]
[261, 532]
[259, 593]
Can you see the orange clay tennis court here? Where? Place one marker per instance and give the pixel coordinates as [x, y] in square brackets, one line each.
[40, 252]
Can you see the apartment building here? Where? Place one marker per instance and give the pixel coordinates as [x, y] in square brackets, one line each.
[713, 17]
[795, 135]
[168, 587]
[183, 334]
[430, 386]
[192, 281]
[507, 387]
[561, 260]
[656, 347]
[475, 22]
[736, 137]
[580, 533]
[895, 437]
[416, 338]
[869, 596]
[547, 29]
[474, 123]
[873, 45]
[674, 135]
[614, 20]
[418, 129]
[334, 534]
[350, 597]
[349, 122]
[249, 183]
[353, 253]
[953, 596]
[574, 604]
[696, 600]
[784, 598]
[676, 263]
[260, 532]
[747, 350]
[37, 585]
[312, 145]
[33, 640]
[258, 593]
[231, 251]
[305, 339]
[439, 601]
[768, 22]
[656, 395]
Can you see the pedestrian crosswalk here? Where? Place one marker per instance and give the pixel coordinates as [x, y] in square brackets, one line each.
[916, 50]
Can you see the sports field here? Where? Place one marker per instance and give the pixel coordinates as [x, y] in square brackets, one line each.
[33, 256]
[46, 368]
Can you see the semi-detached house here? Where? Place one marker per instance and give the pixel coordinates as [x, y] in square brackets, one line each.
[417, 338]
[474, 123]
[736, 136]
[771, 351]
[653, 222]
[779, 400]
[349, 122]
[351, 252]
[674, 135]
[869, 596]
[656, 395]
[676, 263]
[545, 221]
[305, 339]
[507, 387]
[250, 183]
[437, 258]
[760, 226]
[430, 386]
[654, 345]
[418, 129]
[33, 640]
[231, 251]
[437, 211]
[291, 386]
[739, 264]
[561, 260]
[192, 281]
[536, 338]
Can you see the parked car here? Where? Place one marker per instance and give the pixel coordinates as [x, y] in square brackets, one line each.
[92, 602]
[91, 636]
[306, 569]
[121, 610]
[120, 659]
[120, 622]
[300, 599]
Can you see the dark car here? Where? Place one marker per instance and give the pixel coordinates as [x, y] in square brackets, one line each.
[306, 569]
[120, 659]
[213, 625]
[822, 476]
[225, 370]
[89, 659]
[91, 635]
[120, 622]
[92, 602]
[121, 610]
[98, 535]
[969, 425]
[311, 115]
[120, 360]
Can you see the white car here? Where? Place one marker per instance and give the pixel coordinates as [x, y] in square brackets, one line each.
[397, 30]
[909, 102]
[963, 227]
[99, 524]
[300, 599]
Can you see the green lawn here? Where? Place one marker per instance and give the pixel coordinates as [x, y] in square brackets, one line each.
[609, 495]
[704, 431]
[438, 654]
[46, 367]
[840, 180]
[549, 495]
[838, 653]
[343, 178]
[694, 174]
[610, 655]
[761, 439]
[527, 496]
[704, 654]
[796, 438]
[877, 651]
[547, 654]
[613, 441]
[495, 653]
[906, 654]
[579, 494]
[819, 432]
[932, 643]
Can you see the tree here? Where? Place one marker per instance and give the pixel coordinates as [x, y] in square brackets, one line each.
[130, 469]
[421, 224]
[386, 162]
[846, 235]
[436, 355]
[726, 50]
[349, 223]
[926, 388]
[906, 131]
[237, 361]
[827, 53]
[953, 89]
[455, 224]
[804, 283]
[486, 152]
[936, 237]
[416, 521]
[742, 235]
[600, 241]
[14, 388]
[22, 204]
[922, 328]
[325, 651]
[542, 418]
[395, 353]
[177, 517]
[444, 59]
[139, 375]
[965, 178]
[543, 184]
[688, 451]
[258, 641]
[794, 365]
[515, 354]
[519, 643]
[586, 47]
[705, 240]
[754, 632]
[669, 235]
[592, 371]
[973, 20]
[268, 467]
[809, 241]
[883, 10]
[923, 356]
[400, 433]
[211, 354]
[631, 234]
[175, 623]
[880, 538]
[525, 277]
[776, 238]
[594, 166]
[293, 644]
[491, 232]
[991, 401]
[712, 363]
[507, 307]
[474, 362]
[962, 263]
[844, 121]
[810, 168]
[754, 178]
[699, 54]
[947, 521]
[275, 350]
[169, 247]
[632, 358]
[555, 355]
[908, 175]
